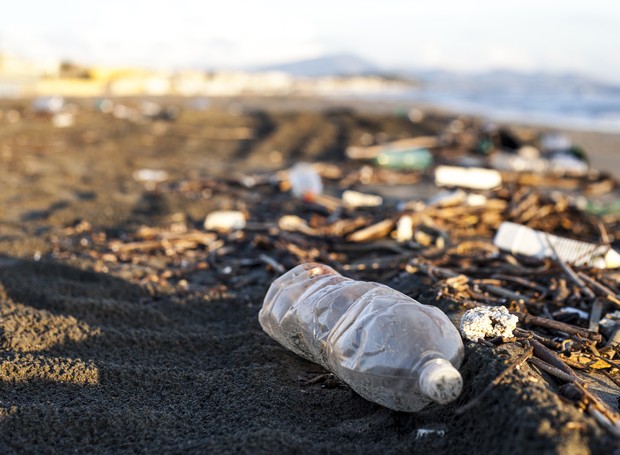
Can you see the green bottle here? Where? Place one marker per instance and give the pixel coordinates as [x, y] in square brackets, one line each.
[416, 159]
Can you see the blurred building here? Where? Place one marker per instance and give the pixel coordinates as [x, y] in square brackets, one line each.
[17, 76]
[22, 78]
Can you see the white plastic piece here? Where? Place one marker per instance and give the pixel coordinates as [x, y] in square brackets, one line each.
[476, 178]
[476, 200]
[555, 141]
[150, 175]
[388, 347]
[225, 221]
[63, 120]
[357, 199]
[564, 163]
[485, 321]
[404, 229]
[447, 198]
[527, 159]
[519, 239]
[305, 180]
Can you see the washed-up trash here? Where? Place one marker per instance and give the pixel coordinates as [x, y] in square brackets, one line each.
[528, 159]
[525, 159]
[305, 180]
[356, 152]
[225, 221]
[554, 142]
[386, 346]
[447, 198]
[415, 159]
[404, 229]
[519, 239]
[486, 321]
[104, 105]
[496, 138]
[566, 163]
[451, 198]
[599, 208]
[150, 176]
[610, 322]
[63, 120]
[564, 157]
[48, 104]
[357, 199]
[476, 178]
[154, 111]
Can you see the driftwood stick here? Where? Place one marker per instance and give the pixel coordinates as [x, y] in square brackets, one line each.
[559, 326]
[600, 288]
[546, 354]
[552, 370]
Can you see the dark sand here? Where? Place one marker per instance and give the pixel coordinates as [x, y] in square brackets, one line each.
[96, 362]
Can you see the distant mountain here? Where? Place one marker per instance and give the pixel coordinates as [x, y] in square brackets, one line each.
[330, 65]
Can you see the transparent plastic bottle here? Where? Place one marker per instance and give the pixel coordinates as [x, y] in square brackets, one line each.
[305, 180]
[386, 346]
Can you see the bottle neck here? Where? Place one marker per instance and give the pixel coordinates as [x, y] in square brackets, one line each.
[440, 381]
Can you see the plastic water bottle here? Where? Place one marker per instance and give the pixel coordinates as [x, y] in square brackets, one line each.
[305, 180]
[386, 346]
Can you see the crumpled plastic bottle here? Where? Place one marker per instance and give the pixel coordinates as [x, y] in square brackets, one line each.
[305, 180]
[389, 348]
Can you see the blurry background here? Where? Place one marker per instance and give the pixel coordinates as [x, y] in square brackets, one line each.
[548, 62]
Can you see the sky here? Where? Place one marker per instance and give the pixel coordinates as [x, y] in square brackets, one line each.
[579, 36]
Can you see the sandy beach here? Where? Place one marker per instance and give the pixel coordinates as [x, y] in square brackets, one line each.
[109, 348]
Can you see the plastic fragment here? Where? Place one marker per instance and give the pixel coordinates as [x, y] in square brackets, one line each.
[225, 221]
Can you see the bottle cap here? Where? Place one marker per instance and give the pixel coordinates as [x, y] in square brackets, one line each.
[440, 381]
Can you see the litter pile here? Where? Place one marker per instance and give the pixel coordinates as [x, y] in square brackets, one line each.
[468, 219]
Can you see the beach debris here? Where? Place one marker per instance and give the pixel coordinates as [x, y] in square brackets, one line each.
[356, 199]
[48, 104]
[609, 326]
[376, 231]
[150, 177]
[451, 198]
[415, 159]
[373, 152]
[104, 105]
[442, 245]
[519, 239]
[566, 163]
[225, 221]
[295, 223]
[486, 321]
[467, 177]
[63, 120]
[380, 368]
[404, 229]
[554, 142]
[305, 180]
[525, 159]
